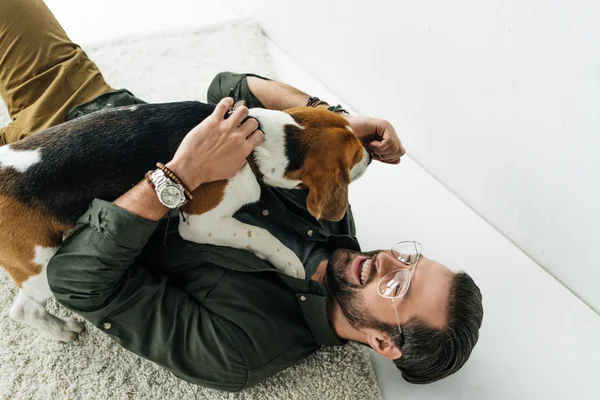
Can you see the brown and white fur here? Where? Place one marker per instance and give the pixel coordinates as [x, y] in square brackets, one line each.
[48, 180]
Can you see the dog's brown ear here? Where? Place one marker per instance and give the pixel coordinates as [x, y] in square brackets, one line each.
[328, 194]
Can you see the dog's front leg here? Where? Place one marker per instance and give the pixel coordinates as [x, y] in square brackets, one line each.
[228, 231]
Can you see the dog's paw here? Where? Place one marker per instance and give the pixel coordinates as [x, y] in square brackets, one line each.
[287, 262]
[70, 329]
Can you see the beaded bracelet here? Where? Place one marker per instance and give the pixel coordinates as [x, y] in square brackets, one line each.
[175, 179]
[338, 108]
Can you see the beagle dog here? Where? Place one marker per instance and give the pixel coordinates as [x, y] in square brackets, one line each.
[48, 180]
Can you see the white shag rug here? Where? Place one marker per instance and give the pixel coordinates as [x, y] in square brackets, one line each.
[166, 67]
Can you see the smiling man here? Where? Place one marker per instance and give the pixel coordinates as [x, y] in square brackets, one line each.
[217, 316]
[231, 320]
[406, 307]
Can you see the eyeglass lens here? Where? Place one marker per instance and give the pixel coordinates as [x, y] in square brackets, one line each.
[407, 252]
[394, 284]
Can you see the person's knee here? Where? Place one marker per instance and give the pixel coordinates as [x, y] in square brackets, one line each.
[12, 133]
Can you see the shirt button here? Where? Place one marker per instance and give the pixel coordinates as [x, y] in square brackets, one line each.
[106, 325]
[303, 298]
[309, 233]
[265, 212]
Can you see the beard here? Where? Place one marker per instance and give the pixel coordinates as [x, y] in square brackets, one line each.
[348, 294]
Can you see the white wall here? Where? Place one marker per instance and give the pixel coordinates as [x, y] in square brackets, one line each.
[498, 100]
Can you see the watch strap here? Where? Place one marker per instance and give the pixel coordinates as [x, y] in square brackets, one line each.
[159, 180]
[174, 178]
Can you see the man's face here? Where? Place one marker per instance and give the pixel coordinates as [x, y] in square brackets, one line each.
[427, 297]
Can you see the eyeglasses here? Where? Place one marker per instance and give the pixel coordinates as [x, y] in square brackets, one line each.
[395, 284]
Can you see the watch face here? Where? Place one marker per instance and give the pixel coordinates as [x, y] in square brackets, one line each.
[171, 196]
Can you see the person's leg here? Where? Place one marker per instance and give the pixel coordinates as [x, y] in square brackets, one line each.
[42, 73]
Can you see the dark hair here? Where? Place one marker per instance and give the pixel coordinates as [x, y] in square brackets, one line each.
[430, 354]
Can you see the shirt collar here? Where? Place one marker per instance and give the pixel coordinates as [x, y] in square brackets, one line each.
[312, 297]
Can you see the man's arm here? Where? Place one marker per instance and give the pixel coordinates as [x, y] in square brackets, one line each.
[377, 135]
[215, 149]
[94, 272]
[95, 275]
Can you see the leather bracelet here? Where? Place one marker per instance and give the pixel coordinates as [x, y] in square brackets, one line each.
[175, 179]
[315, 102]
[148, 178]
[338, 108]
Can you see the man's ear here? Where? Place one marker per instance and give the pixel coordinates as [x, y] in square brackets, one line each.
[383, 344]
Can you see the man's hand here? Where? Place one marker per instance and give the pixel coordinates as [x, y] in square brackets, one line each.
[217, 148]
[379, 137]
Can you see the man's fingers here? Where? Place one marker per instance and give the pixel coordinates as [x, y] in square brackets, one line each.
[238, 116]
[375, 145]
[391, 160]
[222, 107]
[255, 138]
[386, 153]
[249, 126]
[379, 146]
[387, 158]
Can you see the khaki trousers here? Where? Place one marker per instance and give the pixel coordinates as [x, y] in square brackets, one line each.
[43, 74]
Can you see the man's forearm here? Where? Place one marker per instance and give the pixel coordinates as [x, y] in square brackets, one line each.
[142, 201]
[276, 95]
[377, 135]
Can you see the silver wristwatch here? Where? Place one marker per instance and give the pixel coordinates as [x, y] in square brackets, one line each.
[170, 194]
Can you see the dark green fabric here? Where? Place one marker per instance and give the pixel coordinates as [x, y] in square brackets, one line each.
[290, 222]
[116, 98]
[231, 84]
[214, 316]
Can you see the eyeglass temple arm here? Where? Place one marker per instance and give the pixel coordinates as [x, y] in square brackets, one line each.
[397, 319]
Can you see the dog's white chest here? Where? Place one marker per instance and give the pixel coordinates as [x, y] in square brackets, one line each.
[218, 226]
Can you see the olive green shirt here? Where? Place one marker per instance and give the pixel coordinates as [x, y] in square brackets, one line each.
[214, 316]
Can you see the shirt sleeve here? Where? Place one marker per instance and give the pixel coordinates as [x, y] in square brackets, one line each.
[233, 85]
[94, 274]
